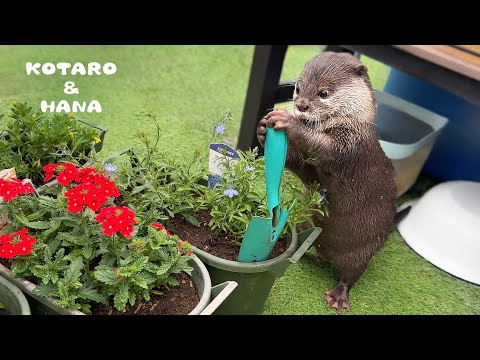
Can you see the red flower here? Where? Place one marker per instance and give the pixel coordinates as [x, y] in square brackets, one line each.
[18, 243]
[10, 189]
[5, 238]
[24, 248]
[189, 253]
[116, 219]
[49, 171]
[9, 251]
[157, 226]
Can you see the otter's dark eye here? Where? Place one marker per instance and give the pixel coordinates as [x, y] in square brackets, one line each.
[324, 93]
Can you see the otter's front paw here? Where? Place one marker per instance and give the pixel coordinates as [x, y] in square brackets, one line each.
[262, 130]
[280, 119]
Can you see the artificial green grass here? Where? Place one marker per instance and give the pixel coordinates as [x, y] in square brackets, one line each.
[189, 88]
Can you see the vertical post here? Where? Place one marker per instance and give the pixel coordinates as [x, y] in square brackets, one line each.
[264, 79]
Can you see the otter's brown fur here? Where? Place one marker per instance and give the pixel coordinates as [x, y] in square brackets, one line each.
[333, 140]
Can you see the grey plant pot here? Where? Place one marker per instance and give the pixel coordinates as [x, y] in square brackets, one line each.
[210, 297]
[13, 298]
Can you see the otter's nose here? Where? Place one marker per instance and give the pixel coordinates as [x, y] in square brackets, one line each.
[302, 105]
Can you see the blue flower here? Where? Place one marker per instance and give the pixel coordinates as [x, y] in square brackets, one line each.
[249, 168]
[230, 192]
[322, 198]
[226, 141]
[219, 129]
[323, 191]
[227, 116]
[110, 167]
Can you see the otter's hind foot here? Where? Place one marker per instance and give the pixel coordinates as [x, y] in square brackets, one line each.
[337, 298]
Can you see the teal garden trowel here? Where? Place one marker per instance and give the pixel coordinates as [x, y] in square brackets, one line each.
[263, 233]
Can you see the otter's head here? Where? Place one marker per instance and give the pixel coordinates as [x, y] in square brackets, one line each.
[334, 87]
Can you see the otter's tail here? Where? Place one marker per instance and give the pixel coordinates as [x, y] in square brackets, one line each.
[400, 215]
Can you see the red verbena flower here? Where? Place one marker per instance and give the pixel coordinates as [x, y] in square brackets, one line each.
[157, 226]
[116, 219]
[18, 243]
[10, 189]
[5, 238]
[49, 170]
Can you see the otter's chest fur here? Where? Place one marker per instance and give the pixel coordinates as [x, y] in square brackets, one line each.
[361, 191]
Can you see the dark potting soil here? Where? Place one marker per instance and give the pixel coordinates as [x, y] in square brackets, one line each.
[176, 300]
[203, 238]
[3, 311]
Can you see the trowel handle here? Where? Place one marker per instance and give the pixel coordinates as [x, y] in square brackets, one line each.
[276, 146]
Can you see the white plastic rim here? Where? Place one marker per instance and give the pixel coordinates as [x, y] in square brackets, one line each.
[444, 228]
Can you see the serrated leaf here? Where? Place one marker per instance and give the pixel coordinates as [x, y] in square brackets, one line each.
[38, 225]
[68, 238]
[54, 245]
[181, 266]
[87, 252]
[164, 268]
[73, 272]
[171, 281]
[105, 275]
[55, 223]
[131, 298]
[139, 281]
[141, 263]
[46, 290]
[121, 297]
[90, 294]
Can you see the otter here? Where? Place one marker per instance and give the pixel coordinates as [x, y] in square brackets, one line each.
[332, 140]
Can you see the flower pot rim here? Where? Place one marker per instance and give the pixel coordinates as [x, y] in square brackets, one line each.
[18, 294]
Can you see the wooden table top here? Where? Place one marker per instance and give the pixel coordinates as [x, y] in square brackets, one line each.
[463, 59]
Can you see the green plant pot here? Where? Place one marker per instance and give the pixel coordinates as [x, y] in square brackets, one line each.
[13, 298]
[210, 297]
[255, 280]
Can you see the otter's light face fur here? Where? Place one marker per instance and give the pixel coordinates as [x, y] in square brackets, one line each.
[332, 89]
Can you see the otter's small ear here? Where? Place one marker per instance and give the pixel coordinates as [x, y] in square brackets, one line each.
[360, 70]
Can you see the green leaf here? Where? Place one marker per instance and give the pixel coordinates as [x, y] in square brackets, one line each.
[181, 266]
[171, 281]
[121, 297]
[87, 252]
[164, 268]
[54, 245]
[55, 223]
[105, 275]
[67, 237]
[90, 294]
[46, 290]
[191, 219]
[73, 272]
[137, 189]
[132, 297]
[38, 225]
[139, 281]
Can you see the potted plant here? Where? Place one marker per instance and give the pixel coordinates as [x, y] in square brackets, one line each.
[12, 300]
[76, 252]
[31, 139]
[214, 219]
